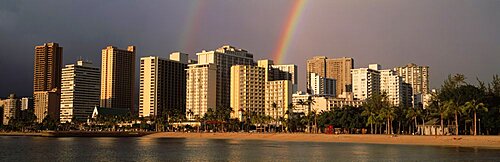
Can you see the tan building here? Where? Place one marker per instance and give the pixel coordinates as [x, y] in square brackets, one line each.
[162, 85]
[280, 72]
[47, 80]
[417, 76]
[321, 103]
[247, 90]
[11, 108]
[27, 103]
[278, 98]
[223, 58]
[47, 103]
[118, 78]
[79, 92]
[47, 68]
[336, 68]
[201, 89]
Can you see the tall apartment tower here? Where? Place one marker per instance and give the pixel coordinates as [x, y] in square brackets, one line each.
[27, 103]
[368, 81]
[336, 68]
[280, 72]
[80, 91]
[47, 80]
[278, 97]
[11, 107]
[201, 89]
[247, 90]
[162, 85]
[365, 82]
[417, 76]
[321, 86]
[395, 88]
[118, 78]
[223, 58]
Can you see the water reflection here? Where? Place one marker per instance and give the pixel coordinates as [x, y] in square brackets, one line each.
[151, 149]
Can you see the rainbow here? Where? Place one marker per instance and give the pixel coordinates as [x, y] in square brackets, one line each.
[191, 28]
[290, 28]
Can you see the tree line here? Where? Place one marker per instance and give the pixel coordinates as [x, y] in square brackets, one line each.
[463, 108]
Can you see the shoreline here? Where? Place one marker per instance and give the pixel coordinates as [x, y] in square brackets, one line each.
[77, 134]
[492, 142]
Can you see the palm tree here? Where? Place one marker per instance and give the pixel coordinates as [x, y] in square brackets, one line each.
[452, 107]
[190, 114]
[413, 113]
[311, 102]
[370, 112]
[474, 106]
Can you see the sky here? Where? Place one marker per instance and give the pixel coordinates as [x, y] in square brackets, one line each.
[449, 36]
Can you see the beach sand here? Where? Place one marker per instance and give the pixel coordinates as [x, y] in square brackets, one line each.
[455, 141]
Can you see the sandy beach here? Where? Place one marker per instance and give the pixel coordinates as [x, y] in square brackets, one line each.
[455, 141]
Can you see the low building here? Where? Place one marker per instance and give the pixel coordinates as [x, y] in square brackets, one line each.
[27, 103]
[109, 112]
[47, 103]
[11, 108]
[320, 103]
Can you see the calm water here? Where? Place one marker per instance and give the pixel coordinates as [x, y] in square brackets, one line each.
[149, 149]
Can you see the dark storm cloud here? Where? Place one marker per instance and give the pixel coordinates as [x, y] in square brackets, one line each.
[448, 35]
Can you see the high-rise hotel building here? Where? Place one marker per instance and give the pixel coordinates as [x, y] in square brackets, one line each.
[118, 78]
[79, 92]
[335, 68]
[222, 58]
[11, 108]
[162, 85]
[365, 82]
[247, 90]
[280, 72]
[417, 76]
[374, 80]
[47, 80]
[278, 98]
[201, 89]
[322, 86]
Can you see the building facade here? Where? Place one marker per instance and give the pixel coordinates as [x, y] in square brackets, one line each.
[417, 76]
[395, 88]
[47, 104]
[11, 108]
[201, 89]
[321, 103]
[27, 103]
[222, 58]
[335, 68]
[118, 78]
[278, 98]
[79, 92]
[322, 86]
[247, 90]
[162, 85]
[47, 68]
[47, 80]
[365, 82]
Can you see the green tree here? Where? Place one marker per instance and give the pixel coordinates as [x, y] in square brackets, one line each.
[474, 106]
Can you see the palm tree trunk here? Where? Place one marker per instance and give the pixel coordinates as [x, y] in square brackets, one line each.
[475, 124]
[442, 125]
[371, 128]
[415, 125]
[456, 123]
[423, 125]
